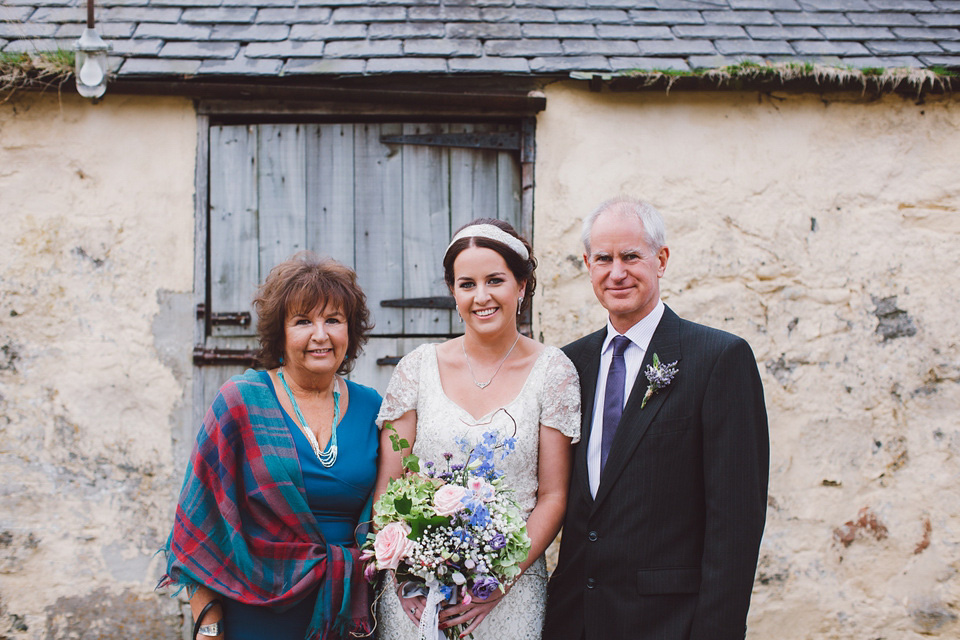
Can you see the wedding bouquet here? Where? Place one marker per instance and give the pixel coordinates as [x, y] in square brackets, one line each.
[451, 532]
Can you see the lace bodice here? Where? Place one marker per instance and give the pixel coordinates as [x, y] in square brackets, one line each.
[550, 396]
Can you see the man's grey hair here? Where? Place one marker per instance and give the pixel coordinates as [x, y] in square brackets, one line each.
[649, 217]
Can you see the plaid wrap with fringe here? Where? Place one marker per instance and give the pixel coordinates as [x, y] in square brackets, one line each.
[259, 545]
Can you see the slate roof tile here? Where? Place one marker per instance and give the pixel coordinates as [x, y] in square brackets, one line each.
[241, 65]
[666, 17]
[328, 31]
[483, 30]
[156, 66]
[709, 31]
[119, 30]
[407, 65]
[324, 66]
[443, 48]
[523, 48]
[574, 47]
[512, 14]
[593, 16]
[649, 64]
[297, 15]
[857, 33]
[755, 47]
[288, 49]
[355, 37]
[885, 19]
[813, 19]
[899, 47]
[635, 32]
[200, 50]
[739, 17]
[784, 33]
[363, 48]
[388, 30]
[676, 48]
[444, 14]
[559, 31]
[570, 63]
[826, 48]
[173, 31]
[912, 33]
[490, 65]
[250, 33]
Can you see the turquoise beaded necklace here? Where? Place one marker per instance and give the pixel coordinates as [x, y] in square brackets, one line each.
[329, 457]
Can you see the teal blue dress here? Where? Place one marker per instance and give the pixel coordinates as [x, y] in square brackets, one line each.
[336, 495]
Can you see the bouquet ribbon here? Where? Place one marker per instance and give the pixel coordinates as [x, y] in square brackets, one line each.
[430, 620]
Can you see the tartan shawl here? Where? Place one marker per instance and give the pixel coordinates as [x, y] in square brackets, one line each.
[259, 545]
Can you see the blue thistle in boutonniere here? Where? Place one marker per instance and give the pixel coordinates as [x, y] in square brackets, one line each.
[659, 375]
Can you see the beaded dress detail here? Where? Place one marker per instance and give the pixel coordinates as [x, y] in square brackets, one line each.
[551, 397]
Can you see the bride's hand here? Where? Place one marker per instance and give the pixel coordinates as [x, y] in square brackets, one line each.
[472, 613]
[413, 607]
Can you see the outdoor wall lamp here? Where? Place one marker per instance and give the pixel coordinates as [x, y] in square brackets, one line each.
[91, 63]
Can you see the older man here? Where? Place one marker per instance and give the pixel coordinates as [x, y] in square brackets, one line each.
[668, 496]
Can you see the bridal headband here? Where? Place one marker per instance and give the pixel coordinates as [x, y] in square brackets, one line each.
[491, 232]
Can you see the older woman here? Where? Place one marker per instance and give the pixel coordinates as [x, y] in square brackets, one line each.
[283, 472]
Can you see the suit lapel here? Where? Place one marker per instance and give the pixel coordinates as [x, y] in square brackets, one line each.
[588, 364]
[634, 422]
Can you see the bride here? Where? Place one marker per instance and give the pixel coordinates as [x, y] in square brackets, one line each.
[491, 378]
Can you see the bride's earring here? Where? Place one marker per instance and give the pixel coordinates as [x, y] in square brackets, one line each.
[519, 304]
[459, 316]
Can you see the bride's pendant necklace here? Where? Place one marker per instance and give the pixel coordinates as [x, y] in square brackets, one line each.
[483, 385]
[329, 457]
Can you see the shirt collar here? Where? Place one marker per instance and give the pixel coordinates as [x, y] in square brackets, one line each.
[640, 333]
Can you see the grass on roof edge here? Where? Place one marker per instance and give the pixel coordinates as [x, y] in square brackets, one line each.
[42, 69]
[884, 79]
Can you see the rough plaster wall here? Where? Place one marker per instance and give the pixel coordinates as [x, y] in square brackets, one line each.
[96, 248]
[825, 231]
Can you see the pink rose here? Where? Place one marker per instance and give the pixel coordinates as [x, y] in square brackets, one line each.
[481, 488]
[447, 499]
[392, 545]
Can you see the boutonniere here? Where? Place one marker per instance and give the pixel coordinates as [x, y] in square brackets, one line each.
[659, 375]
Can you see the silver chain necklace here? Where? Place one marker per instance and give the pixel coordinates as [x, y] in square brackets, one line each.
[483, 385]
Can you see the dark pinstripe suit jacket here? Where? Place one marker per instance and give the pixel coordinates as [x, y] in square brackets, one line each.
[668, 549]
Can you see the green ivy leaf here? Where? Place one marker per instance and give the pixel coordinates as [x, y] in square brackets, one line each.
[419, 525]
[412, 463]
[403, 505]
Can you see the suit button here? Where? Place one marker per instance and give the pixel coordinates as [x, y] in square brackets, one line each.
[591, 583]
[592, 536]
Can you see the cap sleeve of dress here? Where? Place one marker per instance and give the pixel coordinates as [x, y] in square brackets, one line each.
[403, 388]
[560, 396]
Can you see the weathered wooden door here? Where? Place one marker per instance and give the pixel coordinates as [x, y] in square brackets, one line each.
[382, 198]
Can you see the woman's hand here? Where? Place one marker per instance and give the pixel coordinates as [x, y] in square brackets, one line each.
[469, 614]
[413, 607]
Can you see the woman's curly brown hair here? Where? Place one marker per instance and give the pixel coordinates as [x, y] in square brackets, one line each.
[299, 285]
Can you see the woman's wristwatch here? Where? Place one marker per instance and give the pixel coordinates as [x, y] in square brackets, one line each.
[211, 630]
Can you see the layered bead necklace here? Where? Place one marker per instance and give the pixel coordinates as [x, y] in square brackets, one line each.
[329, 457]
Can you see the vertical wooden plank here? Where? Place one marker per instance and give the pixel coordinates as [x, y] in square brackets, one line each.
[509, 188]
[330, 191]
[233, 219]
[282, 186]
[378, 198]
[426, 228]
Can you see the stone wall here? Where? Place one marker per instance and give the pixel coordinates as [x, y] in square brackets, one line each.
[824, 230]
[96, 282]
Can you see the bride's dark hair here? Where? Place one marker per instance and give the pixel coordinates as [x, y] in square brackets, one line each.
[524, 270]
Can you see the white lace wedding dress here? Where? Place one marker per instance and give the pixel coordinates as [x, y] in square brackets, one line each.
[551, 397]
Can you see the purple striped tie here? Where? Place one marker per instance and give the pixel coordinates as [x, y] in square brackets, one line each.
[613, 397]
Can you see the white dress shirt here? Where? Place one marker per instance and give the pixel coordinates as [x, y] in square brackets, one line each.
[639, 335]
